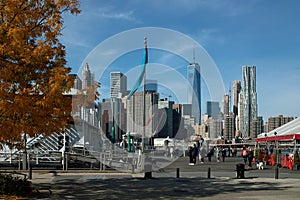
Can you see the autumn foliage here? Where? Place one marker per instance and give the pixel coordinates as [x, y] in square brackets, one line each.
[33, 76]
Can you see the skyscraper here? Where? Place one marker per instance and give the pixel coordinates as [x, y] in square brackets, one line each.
[87, 77]
[229, 129]
[165, 123]
[118, 84]
[256, 127]
[248, 100]
[236, 92]
[215, 127]
[135, 113]
[77, 82]
[194, 90]
[226, 105]
[213, 109]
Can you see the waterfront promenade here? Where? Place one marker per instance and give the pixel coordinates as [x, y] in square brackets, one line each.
[193, 183]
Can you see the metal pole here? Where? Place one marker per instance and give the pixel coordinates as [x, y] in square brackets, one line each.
[128, 142]
[28, 158]
[37, 158]
[19, 161]
[276, 172]
[24, 155]
[208, 172]
[30, 172]
[278, 162]
[66, 162]
[144, 102]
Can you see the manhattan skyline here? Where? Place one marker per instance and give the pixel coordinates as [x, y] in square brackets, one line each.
[233, 33]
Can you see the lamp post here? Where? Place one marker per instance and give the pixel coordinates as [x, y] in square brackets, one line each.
[277, 157]
[277, 150]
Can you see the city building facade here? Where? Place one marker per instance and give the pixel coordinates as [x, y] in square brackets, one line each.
[256, 127]
[118, 85]
[235, 93]
[215, 127]
[77, 82]
[194, 90]
[136, 110]
[165, 121]
[275, 122]
[248, 100]
[226, 103]
[213, 109]
[87, 77]
[229, 126]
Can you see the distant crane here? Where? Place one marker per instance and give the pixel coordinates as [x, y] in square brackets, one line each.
[229, 95]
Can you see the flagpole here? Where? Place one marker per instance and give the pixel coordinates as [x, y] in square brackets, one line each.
[144, 102]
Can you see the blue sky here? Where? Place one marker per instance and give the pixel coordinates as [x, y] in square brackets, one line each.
[234, 33]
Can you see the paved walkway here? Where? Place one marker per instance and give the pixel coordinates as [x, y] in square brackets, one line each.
[192, 184]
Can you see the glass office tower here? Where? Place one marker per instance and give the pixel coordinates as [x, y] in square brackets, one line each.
[194, 91]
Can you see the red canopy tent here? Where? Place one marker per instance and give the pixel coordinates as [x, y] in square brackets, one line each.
[289, 137]
[289, 134]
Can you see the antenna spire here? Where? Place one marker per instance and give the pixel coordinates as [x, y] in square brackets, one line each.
[145, 42]
[194, 56]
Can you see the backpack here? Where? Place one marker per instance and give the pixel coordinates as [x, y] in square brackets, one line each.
[244, 153]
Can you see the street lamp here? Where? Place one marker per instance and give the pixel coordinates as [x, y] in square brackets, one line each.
[277, 150]
[277, 158]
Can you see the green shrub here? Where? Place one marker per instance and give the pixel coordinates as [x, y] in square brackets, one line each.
[14, 185]
[266, 157]
[257, 154]
[296, 158]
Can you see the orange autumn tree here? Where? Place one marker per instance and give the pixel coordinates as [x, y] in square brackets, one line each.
[33, 76]
[86, 97]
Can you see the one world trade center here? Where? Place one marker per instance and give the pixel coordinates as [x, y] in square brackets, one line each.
[194, 90]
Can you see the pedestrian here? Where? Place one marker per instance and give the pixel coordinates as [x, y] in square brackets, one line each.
[223, 151]
[218, 154]
[232, 152]
[202, 154]
[171, 151]
[210, 154]
[244, 154]
[250, 157]
[235, 151]
[194, 153]
[191, 155]
[271, 150]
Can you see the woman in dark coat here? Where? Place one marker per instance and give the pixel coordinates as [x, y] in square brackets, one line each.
[250, 157]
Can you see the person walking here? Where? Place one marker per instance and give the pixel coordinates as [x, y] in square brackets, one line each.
[218, 154]
[202, 154]
[250, 157]
[223, 151]
[194, 154]
[244, 154]
[210, 154]
[191, 155]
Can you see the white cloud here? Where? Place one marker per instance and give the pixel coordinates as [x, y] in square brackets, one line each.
[125, 15]
[110, 12]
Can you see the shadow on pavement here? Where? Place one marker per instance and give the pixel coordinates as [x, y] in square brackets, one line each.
[138, 188]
